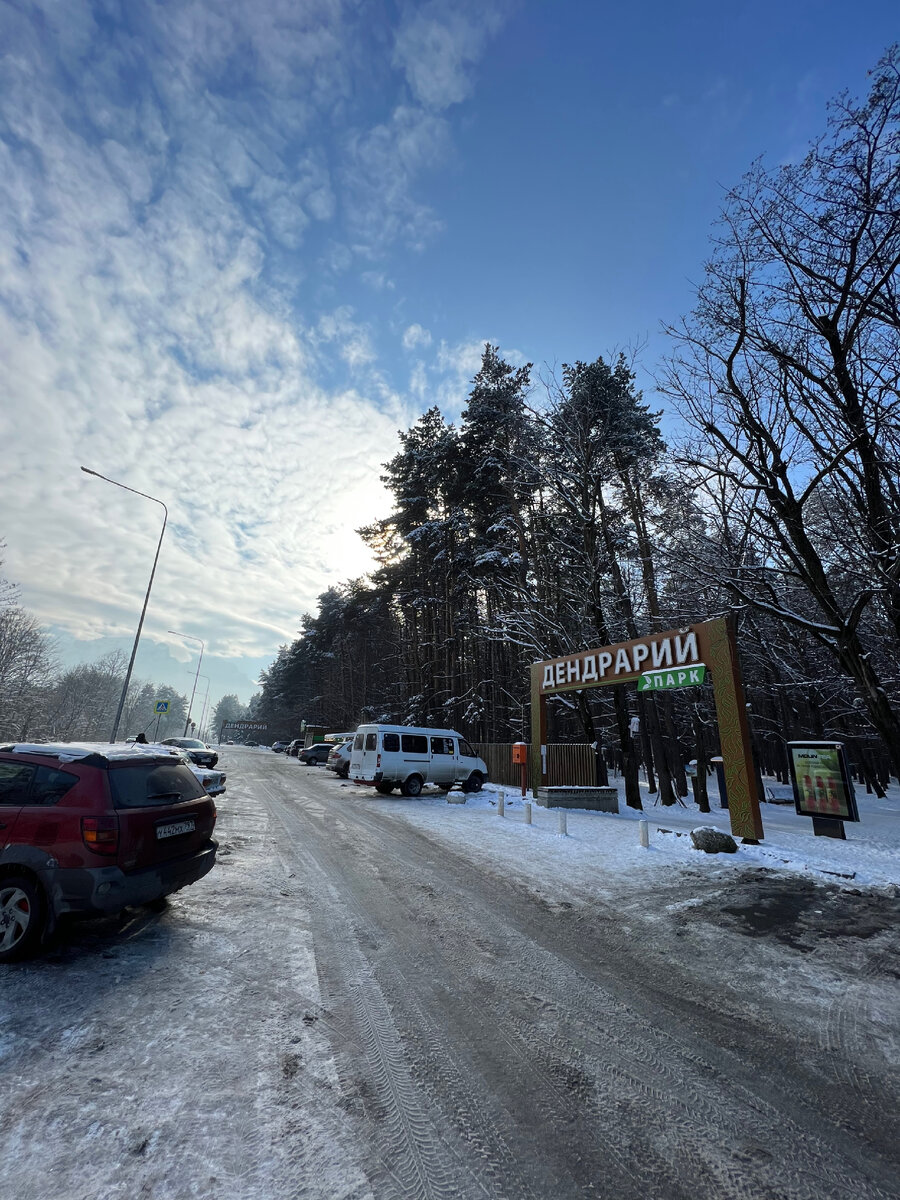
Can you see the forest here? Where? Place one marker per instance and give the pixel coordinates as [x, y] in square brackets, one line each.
[565, 511]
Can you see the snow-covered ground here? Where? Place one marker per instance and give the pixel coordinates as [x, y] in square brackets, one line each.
[602, 851]
[295, 1024]
[159, 1054]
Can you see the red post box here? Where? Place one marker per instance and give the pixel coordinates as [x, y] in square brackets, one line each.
[520, 756]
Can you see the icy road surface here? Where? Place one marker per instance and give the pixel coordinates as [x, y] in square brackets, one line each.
[359, 1001]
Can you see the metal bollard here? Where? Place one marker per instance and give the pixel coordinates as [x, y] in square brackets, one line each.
[563, 831]
[501, 803]
[527, 812]
[644, 829]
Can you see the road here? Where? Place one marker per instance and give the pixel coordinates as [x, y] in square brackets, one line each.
[347, 1007]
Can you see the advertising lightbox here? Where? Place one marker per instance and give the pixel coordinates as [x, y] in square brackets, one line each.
[822, 785]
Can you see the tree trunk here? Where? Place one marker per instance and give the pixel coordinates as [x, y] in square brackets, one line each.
[701, 793]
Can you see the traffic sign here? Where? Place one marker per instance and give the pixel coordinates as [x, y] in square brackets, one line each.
[162, 706]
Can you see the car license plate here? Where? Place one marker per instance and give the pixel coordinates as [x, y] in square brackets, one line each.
[176, 827]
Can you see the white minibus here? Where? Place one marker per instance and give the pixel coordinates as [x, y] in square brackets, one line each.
[407, 757]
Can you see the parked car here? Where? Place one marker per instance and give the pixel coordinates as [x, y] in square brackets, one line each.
[280, 747]
[213, 782]
[91, 829]
[314, 755]
[339, 759]
[199, 751]
[293, 748]
[390, 756]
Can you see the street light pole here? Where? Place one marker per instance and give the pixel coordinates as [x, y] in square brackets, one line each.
[203, 709]
[203, 712]
[137, 636]
[191, 638]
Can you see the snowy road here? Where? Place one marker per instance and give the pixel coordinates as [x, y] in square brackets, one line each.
[352, 1005]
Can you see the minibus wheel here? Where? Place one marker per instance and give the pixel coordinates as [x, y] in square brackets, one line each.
[412, 786]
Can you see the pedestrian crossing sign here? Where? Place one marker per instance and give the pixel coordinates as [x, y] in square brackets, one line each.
[162, 706]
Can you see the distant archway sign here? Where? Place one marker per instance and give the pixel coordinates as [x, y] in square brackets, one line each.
[677, 658]
[259, 729]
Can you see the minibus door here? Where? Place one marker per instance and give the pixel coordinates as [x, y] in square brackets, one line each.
[443, 760]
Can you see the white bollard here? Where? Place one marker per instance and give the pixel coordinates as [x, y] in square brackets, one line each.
[527, 812]
[501, 803]
[644, 829]
[563, 831]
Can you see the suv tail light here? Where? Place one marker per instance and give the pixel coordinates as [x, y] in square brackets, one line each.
[100, 834]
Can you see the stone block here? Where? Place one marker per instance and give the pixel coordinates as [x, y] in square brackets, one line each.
[596, 799]
[713, 841]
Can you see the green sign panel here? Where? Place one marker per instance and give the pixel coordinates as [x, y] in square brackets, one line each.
[162, 706]
[672, 677]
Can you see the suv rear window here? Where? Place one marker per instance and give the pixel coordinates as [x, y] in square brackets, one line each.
[151, 785]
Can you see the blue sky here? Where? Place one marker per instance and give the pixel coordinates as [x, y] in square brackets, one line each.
[241, 245]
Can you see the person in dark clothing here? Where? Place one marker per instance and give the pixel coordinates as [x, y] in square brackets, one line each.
[141, 739]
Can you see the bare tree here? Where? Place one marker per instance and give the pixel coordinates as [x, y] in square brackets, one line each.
[788, 372]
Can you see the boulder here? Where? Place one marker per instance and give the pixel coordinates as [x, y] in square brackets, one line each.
[713, 841]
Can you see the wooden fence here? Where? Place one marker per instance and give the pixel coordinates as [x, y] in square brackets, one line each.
[571, 763]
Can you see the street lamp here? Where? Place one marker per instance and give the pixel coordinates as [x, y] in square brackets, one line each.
[191, 638]
[137, 636]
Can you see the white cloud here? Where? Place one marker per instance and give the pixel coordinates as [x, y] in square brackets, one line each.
[418, 381]
[437, 47]
[462, 359]
[383, 163]
[378, 281]
[353, 338]
[414, 336]
[167, 224]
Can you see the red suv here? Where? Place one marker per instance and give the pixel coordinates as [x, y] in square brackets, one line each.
[89, 829]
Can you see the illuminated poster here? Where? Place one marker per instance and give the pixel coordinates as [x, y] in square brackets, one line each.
[822, 786]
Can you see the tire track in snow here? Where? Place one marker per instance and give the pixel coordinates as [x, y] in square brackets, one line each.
[414, 1156]
[724, 1104]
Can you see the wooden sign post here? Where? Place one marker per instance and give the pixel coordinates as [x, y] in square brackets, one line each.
[710, 644]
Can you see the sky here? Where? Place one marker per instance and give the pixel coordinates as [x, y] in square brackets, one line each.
[242, 245]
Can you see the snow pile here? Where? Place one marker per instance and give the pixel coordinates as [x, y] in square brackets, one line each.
[73, 751]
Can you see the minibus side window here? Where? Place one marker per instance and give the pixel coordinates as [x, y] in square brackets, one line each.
[390, 741]
[414, 743]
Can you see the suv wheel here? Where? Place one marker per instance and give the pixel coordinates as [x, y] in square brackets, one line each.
[412, 786]
[21, 916]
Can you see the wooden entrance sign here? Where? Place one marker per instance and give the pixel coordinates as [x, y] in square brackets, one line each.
[711, 643]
